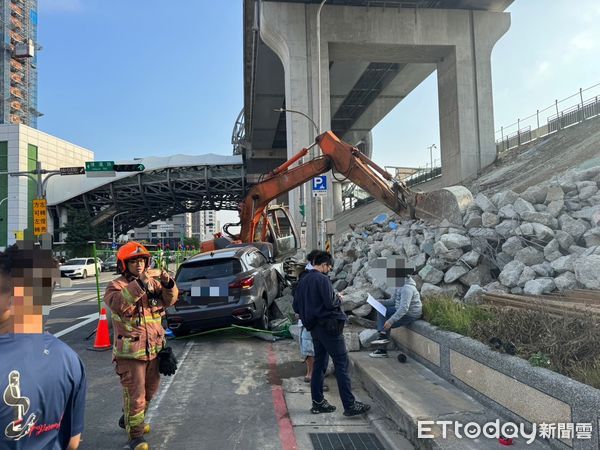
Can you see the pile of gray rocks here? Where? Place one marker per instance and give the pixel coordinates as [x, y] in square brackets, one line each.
[544, 239]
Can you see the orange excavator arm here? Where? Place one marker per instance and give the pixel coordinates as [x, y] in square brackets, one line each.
[349, 162]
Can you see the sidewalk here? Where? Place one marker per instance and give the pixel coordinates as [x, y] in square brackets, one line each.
[409, 392]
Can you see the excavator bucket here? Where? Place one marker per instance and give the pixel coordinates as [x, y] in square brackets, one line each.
[448, 203]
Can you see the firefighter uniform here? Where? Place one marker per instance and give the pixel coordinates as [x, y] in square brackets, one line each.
[137, 312]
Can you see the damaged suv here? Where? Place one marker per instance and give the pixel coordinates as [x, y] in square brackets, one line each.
[224, 287]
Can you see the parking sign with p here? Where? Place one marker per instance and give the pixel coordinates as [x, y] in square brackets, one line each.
[319, 185]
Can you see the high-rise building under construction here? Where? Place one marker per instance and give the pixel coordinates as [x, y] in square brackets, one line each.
[18, 67]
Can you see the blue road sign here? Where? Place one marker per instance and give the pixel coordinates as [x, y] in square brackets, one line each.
[114, 245]
[319, 184]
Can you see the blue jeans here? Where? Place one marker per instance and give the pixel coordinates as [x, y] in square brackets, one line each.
[327, 345]
[390, 306]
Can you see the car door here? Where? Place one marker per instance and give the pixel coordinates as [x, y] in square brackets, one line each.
[90, 266]
[268, 275]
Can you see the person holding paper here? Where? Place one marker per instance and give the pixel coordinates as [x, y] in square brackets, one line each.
[403, 308]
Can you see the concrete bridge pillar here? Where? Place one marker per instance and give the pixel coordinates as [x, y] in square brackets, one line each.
[456, 42]
[291, 31]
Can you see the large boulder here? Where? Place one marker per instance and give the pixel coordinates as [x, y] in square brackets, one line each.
[543, 270]
[540, 217]
[563, 264]
[430, 274]
[555, 208]
[363, 311]
[506, 212]
[552, 250]
[587, 271]
[479, 275]
[535, 194]
[528, 274]
[512, 245]
[521, 206]
[566, 281]
[484, 203]
[353, 300]
[505, 198]
[529, 256]
[565, 240]
[511, 273]
[455, 273]
[430, 290]
[471, 258]
[533, 287]
[474, 294]
[553, 194]
[574, 227]
[452, 241]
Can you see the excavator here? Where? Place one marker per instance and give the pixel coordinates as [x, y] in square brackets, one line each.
[260, 222]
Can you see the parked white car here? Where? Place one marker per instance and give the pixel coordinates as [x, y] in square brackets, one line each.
[79, 267]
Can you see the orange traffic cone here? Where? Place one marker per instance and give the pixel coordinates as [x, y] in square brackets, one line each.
[102, 341]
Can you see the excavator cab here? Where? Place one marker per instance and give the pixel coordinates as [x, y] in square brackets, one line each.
[280, 231]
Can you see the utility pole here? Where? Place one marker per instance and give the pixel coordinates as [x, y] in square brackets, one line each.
[113, 225]
[431, 147]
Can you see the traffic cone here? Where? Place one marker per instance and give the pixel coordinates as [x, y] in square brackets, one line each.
[102, 342]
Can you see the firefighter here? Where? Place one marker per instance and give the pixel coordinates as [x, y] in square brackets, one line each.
[137, 301]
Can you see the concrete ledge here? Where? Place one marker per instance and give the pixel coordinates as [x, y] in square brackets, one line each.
[66, 282]
[409, 393]
[506, 384]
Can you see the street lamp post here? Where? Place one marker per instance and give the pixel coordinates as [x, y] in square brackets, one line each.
[431, 147]
[113, 221]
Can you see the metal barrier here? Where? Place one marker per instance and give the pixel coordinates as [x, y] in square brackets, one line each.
[568, 117]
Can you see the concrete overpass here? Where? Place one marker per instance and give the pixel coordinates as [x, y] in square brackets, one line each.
[351, 64]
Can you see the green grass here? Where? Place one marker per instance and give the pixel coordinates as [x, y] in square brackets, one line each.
[448, 314]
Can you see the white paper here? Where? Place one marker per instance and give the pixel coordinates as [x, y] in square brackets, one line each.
[375, 304]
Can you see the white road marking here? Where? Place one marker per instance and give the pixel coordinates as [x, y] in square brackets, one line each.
[71, 302]
[65, 294]
[156, 402]
[88, 319]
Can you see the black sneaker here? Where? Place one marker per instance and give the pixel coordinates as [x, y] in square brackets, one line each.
[139, 444]
[323, 407]
[356, 409]
[379, 353]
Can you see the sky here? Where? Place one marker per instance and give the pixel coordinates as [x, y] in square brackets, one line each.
[136, 78]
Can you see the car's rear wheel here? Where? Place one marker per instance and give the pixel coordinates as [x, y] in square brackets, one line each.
[262, 322]
[84, 276]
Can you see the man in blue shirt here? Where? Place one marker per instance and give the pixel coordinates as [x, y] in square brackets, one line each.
[320, 311]
[42, 381]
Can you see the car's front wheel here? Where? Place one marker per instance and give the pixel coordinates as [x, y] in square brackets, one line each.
[262, 322]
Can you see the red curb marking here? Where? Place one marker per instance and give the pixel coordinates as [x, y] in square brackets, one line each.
[286, 430]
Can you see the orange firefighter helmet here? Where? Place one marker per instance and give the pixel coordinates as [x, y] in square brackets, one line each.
[131, 250]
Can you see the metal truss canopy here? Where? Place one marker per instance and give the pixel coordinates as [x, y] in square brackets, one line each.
[162, 193]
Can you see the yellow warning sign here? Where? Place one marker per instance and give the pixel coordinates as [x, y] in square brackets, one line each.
[40, 226]
[328, 246]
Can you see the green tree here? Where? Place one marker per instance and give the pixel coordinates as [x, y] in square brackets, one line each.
[191, 241]
[80, 232]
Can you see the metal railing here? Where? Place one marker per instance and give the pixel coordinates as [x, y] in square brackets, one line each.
[555, 121]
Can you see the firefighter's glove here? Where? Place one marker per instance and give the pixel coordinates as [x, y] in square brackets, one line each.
[167, 363]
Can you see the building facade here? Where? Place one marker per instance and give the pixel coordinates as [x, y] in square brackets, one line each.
[204, 225]
[18, 65]
[170, 231]
[21, 147]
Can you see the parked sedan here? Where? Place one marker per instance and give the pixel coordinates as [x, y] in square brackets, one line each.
[79, 267]
[224, 287]
[110, 265]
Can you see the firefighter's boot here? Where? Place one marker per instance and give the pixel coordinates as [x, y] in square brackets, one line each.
[147, 427]
[139, 444]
